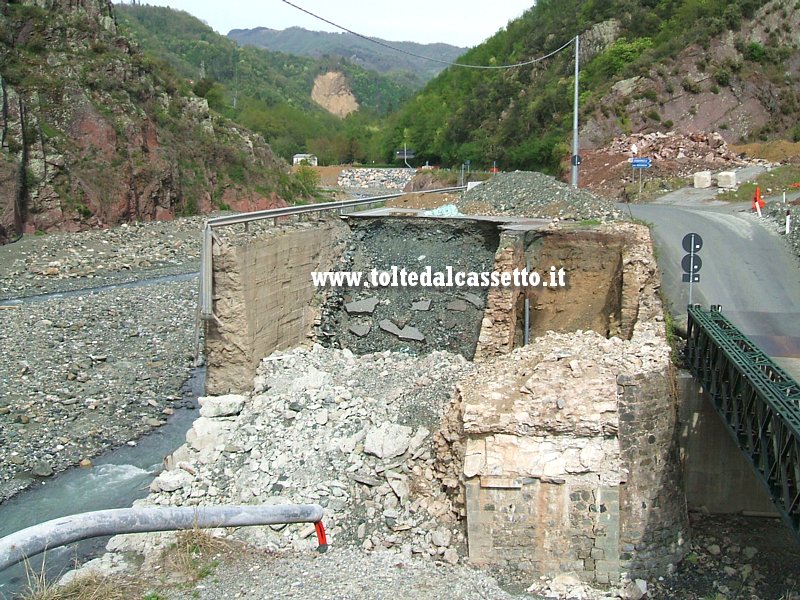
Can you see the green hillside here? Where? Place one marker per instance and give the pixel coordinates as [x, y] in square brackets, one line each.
[522, 117]
[295, 40]
[96, 134]
[268, 92]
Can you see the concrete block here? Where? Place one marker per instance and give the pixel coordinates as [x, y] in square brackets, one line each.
[702, 179]
[726, 179]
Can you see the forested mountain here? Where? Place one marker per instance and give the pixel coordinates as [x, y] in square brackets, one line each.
[725, 65]
[268, 92]
[316, 44]
[94, 133]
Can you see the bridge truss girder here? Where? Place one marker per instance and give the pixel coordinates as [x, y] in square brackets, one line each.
[758, 402]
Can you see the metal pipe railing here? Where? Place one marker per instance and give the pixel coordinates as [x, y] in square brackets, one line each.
[308, 208]
[206, 262]
[34, 540]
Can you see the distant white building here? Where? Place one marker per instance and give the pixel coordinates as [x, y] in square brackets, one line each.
[310, 159]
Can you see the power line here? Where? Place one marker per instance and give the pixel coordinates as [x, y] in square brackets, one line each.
[436, 60]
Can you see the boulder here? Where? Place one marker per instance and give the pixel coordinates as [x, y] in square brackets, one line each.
[221, 406]
[388, 440]
[726, 179]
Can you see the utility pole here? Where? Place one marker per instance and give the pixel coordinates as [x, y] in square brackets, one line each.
[575, 158]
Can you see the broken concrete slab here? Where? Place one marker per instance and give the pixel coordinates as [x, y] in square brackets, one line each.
[406, 333]
[457, 305]
[362, 307]
[411, 333]
[360, 329]
[421, 305]
[389, 327]
[473, 299]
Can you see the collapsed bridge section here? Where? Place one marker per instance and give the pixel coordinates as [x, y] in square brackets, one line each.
[563, 452]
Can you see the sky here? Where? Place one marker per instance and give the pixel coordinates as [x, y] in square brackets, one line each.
[463, 23]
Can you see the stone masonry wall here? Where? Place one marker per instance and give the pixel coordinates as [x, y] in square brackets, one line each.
[570, 459]
[653, 499]
[608, 276]
[499, 324]
[262, 296]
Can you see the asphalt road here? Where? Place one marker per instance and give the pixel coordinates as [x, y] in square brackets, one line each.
[746, 267]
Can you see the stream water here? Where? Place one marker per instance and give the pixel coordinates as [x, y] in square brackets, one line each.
[115, 480]
[97, 289]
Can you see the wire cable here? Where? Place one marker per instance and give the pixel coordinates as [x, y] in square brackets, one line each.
[436, 60]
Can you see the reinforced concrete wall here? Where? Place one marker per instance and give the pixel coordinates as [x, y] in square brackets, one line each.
[718, 478]
[262, 296]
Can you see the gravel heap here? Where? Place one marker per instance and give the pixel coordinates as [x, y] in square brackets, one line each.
[84, 374]
[65, 261]
[392, 179]
[535, 195]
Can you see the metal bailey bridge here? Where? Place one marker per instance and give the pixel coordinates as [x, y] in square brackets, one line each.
[758, 401]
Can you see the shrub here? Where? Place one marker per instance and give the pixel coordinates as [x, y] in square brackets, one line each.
[754, 52]
[690, 86]
[723, 77]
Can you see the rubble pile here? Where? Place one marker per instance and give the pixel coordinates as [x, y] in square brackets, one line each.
[777, 212]
[316, 429]
[705, 147]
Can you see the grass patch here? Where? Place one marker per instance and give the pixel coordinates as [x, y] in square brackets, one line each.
[652, 188]
[91, 586]
[778, 180]
[195, 554]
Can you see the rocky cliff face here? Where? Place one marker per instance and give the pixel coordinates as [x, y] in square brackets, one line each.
[93, 133]
[738, 83]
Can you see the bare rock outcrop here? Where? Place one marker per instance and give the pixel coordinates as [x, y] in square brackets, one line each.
[332, 92]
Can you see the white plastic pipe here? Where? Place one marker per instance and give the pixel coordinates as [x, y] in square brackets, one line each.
[34, 540]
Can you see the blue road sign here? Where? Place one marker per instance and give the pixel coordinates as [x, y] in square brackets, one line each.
[641, 163]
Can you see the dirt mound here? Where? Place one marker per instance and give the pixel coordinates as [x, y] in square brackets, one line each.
[674, 156]
[328, 176]
[431, 180]
[424, 201]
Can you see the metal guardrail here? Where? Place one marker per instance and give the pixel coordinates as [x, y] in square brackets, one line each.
[206, 257]
[758, 401]
[34, 540]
